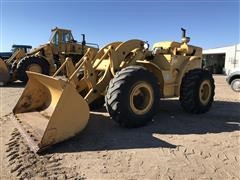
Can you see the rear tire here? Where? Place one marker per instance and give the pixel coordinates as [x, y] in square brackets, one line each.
[197, 91]
[132, 96]
[31, 63]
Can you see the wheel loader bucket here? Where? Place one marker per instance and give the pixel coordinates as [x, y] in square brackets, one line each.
[4, 73]
[49, 111]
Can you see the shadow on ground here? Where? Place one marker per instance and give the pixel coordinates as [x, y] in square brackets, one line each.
[103, 134]
[16, 84]
[222, 117]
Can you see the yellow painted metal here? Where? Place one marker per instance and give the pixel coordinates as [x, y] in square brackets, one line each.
[205, 92]
[4, 74]
[16, 56]
[4, 71]
[141, 98]
[51, 110]
[60, 45]
[56, 109]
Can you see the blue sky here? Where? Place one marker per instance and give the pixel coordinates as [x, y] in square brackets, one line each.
[208, 23]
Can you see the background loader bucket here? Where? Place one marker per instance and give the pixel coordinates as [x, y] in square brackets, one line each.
[4, 73]
[49, 111]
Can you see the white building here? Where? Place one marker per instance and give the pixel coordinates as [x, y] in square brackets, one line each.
[222, 60]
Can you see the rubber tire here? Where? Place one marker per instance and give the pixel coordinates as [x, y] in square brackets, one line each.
[189, 91]
[118, 92]
[232, 84]
[14, 66]
[28, 60]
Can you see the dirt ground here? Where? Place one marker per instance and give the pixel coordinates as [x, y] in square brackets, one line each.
[175, 145]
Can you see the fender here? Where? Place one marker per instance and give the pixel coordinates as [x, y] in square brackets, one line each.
[156, 71]
[35, 50]
[194, 62]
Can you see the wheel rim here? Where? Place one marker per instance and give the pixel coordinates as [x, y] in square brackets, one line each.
[205, 92]
[35, 68]
[141, 98]
[236, 85]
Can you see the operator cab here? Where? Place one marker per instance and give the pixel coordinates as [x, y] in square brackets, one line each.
[61, 36]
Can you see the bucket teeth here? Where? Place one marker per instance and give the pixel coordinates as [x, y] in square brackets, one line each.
[25, 131]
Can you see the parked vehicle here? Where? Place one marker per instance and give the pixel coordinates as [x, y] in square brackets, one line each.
[233, 79]
[46, 58]
[7, 55]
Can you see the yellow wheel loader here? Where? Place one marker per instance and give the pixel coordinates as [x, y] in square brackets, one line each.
[132, 79]
[9, 65]
[47, 58]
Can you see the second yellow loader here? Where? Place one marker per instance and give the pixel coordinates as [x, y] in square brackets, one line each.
[46, 58]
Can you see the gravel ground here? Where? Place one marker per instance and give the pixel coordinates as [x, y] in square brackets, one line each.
[175, 145]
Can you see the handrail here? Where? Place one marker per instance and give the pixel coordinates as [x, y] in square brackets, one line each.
[61, 67]
[66, 61]
[101, 59]
[79, 62]
[78, 68]
[13, 56]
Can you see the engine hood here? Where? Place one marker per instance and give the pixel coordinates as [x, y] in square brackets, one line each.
[35, 50]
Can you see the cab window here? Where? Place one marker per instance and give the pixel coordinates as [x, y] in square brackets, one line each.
[67, 37]
[55, 39]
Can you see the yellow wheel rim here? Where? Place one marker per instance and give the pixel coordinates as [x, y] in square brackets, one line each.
[205, 92]
[35, 68]
[141, 98]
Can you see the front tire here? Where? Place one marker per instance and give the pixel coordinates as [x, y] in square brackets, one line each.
[235, 85]
[197, 91]
[132, 96]
[31, 63]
